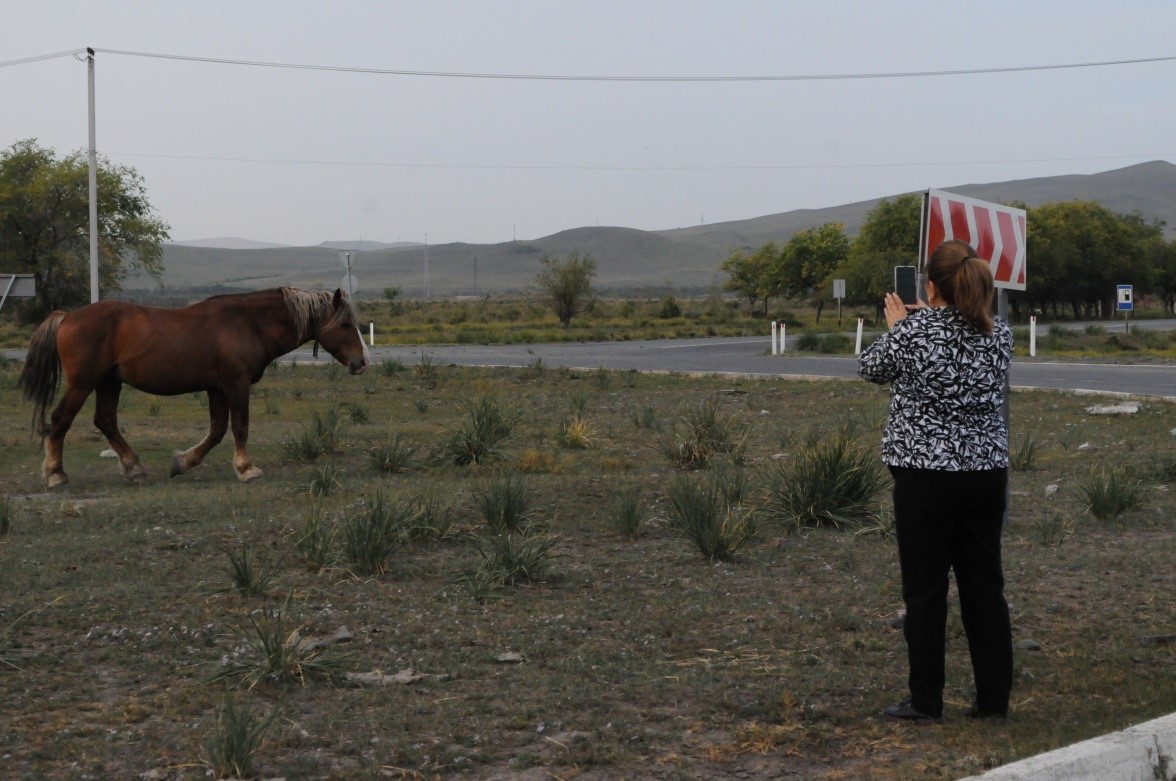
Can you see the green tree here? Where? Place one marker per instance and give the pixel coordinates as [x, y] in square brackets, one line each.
[749, 274]
[45, 224]
[807, 261]
[1078, 251]
[566, 286]
[889, 237]
[1164, 281]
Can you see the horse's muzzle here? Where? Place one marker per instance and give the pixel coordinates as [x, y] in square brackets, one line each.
[358, 366]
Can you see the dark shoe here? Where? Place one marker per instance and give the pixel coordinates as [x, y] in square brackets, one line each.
[905, 712]
[981, 714]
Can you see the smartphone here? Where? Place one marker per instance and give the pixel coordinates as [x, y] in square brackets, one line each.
[906, 284]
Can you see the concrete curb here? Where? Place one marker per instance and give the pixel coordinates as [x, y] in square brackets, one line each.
[1145, 752]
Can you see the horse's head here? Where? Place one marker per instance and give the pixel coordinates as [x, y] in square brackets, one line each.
[340, 335]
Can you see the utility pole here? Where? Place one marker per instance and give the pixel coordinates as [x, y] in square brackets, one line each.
[426, 265]
[93, 180]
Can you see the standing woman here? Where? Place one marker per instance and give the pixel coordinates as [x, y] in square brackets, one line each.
[946, 445]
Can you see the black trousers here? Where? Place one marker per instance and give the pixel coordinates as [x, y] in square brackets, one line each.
[952, 521]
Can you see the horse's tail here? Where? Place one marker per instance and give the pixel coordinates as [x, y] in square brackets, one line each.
[42, 369]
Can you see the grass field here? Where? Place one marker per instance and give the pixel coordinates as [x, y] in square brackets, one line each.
[356, 615]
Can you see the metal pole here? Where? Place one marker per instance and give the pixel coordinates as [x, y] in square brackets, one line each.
[1002, 311]
[93, 181]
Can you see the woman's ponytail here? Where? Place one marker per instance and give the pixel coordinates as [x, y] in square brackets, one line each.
[964, 281]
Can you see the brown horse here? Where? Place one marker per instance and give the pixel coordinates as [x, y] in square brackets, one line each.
[221, 345]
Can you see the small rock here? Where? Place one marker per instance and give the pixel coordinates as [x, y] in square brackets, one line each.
[1051, 489]
[510, 657]
[1126, 408]
[377, 678]
[108, 453]
[897, 621]
[1026, 645]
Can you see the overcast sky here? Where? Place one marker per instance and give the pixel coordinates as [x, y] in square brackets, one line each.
[300, 156]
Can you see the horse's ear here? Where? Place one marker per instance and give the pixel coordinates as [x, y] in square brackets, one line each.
[339, 298]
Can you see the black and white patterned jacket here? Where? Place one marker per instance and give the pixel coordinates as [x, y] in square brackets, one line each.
[947, 386]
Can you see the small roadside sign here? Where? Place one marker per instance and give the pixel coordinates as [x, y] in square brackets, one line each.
[839, 288]
[1126, 304]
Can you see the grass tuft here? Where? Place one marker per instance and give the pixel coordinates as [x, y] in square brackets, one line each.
[240, 730]
[249, 573]
[717, 529]
[830, 483]
[276, 651]
[316, 543]
[1109, 493]
[505, 503]
[629, 511]
[397, 456]
[488, 425]
[1024, 450]
[372, 534]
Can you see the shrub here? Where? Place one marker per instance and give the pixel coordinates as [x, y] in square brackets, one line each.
[5, 514]
[669, 309]
[808, 342]
[829, 483]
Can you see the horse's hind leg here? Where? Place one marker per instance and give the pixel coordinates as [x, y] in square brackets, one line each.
[59, 422]
[106, 419]
[218, 414]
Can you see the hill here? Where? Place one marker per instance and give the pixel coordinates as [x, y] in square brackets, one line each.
[684, 259]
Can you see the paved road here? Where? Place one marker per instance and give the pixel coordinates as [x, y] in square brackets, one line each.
[751, 356]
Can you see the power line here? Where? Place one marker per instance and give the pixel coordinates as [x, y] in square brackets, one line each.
[746, 167]
[40, 57]
[556, 77]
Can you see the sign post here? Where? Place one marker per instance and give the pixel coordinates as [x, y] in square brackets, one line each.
[996, 232]
[1126, 305]
[839, 293]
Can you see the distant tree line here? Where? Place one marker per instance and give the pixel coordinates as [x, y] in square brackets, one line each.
[1077, 251]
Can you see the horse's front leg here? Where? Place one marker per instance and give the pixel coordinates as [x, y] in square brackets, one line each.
[59, 422]
[218, 415]
[106, 419]
[239, 407]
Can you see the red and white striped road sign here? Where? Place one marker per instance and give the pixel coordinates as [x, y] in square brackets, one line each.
[996, 232]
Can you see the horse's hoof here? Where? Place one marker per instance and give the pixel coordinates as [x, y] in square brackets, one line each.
[56, 479]
[136, 474]
[176, 467]
[249, 475]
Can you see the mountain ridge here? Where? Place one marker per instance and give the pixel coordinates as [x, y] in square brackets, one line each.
[628, 259]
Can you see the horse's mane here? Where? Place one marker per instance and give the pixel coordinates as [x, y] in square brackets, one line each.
[310, 310]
